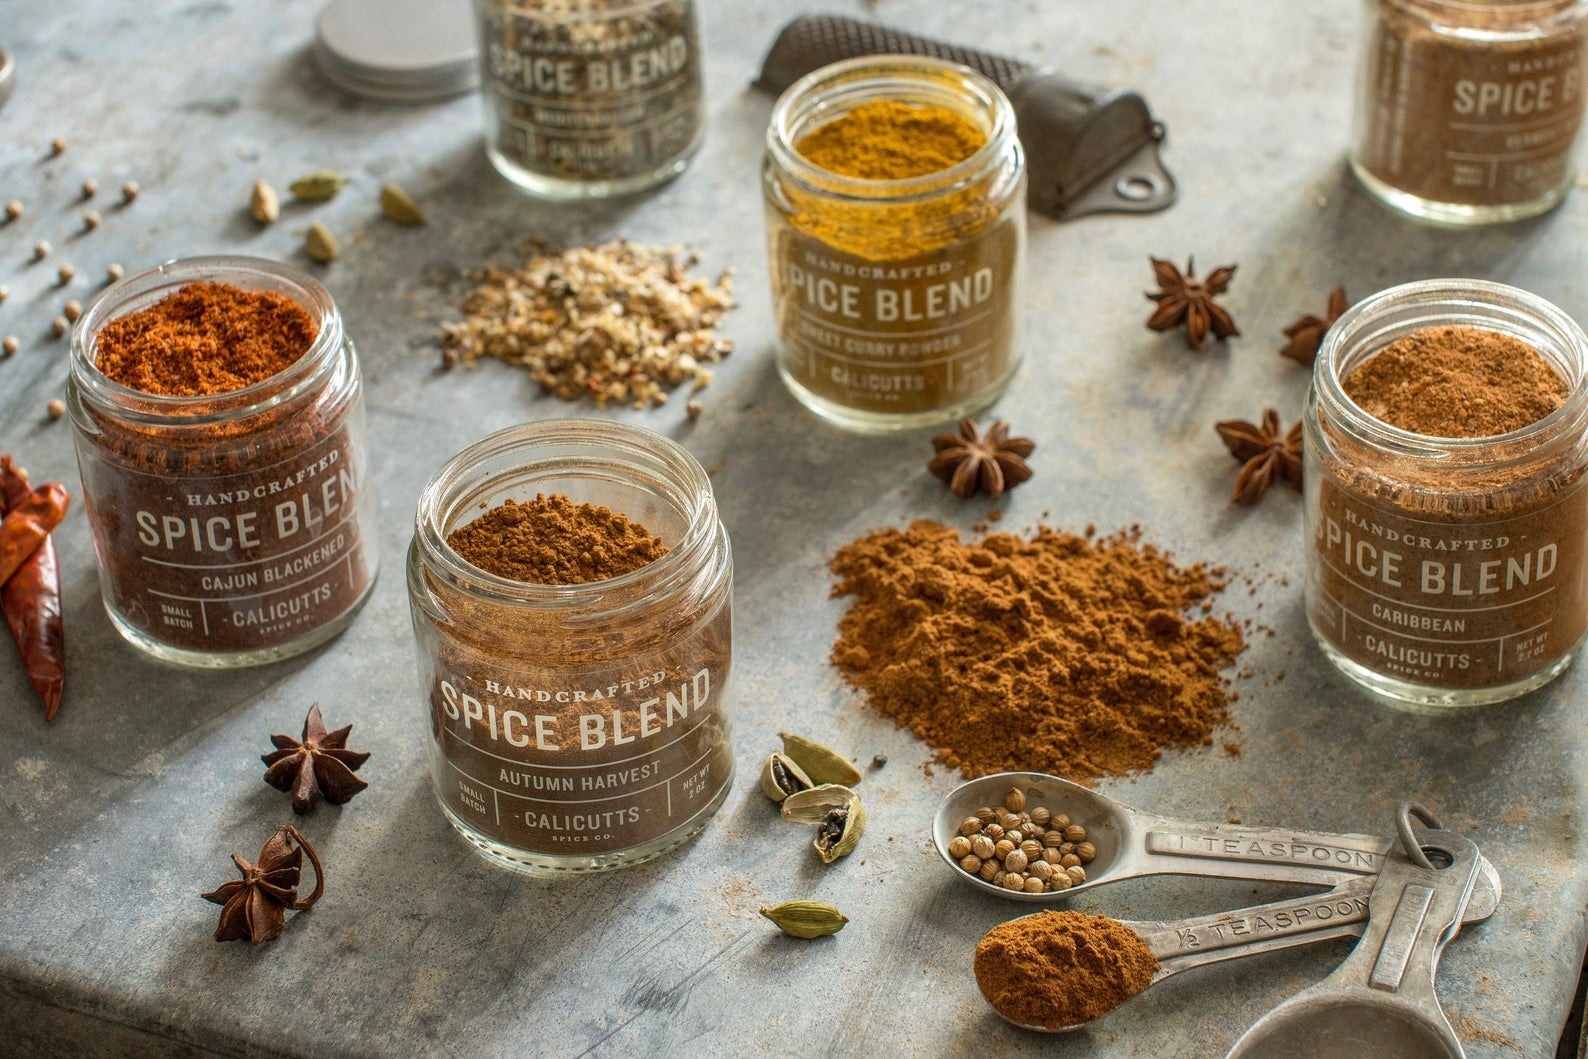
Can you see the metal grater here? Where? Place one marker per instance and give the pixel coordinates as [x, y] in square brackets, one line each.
[1089, 149]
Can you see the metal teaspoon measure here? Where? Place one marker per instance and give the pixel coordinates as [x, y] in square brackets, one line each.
[1131, 843]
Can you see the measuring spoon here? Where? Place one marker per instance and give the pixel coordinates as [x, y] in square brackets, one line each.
[1381, 1000]
[1131, 843]
[1180, 945]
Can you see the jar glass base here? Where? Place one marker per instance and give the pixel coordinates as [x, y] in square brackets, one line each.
[1455, 214]
[1427, 699]
[527, 862]
[862, 421]
[211, 659]
[556, 189]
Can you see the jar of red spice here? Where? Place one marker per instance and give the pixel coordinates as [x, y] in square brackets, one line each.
[219, 419]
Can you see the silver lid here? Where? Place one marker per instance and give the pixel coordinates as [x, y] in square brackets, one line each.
[399, 51]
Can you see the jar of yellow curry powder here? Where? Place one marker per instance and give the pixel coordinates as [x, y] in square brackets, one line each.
[895, 203]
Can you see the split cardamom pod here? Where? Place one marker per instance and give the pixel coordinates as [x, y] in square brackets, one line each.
[822, 764]
[780, 777]
[812, 806]
[318, 186]
[321, 244]
[264, 205]
[839, 832]
[400, 206]
[806, 919]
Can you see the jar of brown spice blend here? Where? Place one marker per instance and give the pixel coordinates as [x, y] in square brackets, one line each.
[571, 589]
[1468, 110]
[1447, 513]
[219, 419]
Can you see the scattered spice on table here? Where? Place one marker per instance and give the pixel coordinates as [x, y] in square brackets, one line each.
[1306, 333]
[621, 322]
[1058, 969]
[970, 461]
[1267, 451]
[255, 907]
[1185, 301]
[806, 919]
[318, 763]
[551, 540]
[31, 601]
[1061, 653]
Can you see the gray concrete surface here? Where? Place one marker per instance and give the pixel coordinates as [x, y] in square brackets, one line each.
[116, 817]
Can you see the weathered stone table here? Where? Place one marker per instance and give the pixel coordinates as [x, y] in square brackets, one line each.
[113, 819]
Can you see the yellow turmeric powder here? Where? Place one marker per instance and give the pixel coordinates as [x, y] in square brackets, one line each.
[890, 140]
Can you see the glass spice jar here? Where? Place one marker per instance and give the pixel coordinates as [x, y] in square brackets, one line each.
[1467, 110]
[576, 727]
[897, 300]
[1447, 571]
[590, 98]
[233, 528]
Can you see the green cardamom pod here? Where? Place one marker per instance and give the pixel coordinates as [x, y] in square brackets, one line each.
[812, 806]
[321, 244]
[317, 187]
[780, 777]
[821, 764]
[806, 919]
[839, 832]
[264, 205]
[400, 206]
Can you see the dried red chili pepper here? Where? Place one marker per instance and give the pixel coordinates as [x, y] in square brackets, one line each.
[31, 601]
[26, 526]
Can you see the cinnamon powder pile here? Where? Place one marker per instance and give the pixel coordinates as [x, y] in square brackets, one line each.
[1058, 969]
[1075, 655]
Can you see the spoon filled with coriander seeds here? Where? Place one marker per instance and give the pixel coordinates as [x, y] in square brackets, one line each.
[1068, 827]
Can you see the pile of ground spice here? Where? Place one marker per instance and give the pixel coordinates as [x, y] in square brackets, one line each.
[1057, 969]
[1456, 382]
[621, 322]
[207, 338]
[1074, 655]
[889, 140]
[553, 541]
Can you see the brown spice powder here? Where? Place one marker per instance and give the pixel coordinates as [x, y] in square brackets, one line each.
[1456, 382]
[890, 140]
[1067, 654]
[553, 541]
[207, 338]
[1056, 969]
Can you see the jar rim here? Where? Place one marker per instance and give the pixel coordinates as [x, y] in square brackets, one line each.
[1440, 302]
[640, 586]
[832, 85]
[593, 13]
[143, 289]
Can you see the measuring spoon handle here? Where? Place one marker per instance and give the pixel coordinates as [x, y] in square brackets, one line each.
[1183, 944]
[1266, 853]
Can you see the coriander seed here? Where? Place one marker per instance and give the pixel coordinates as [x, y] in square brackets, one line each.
[10, 345]
[1075, 833]
[41, 250]
[5, 292]
[969, 826]
[986, 815]
[1053, 839]
[91, 219]
[982, 846]
[993, 831]
[959, 848]
[1069, 860]
[1009, 820]
[1003, 848]
[1086, 851]
[72, 310]
[57, 147]
[65, 274]
[1041, 870]
[1060, 822]
[1051, 855]
[1015, 800]
[129, 192]
[13, 210]
[90, 188]
[1076, 873]
[989, 870]
[1031, 849]
[60, 326]
[1035, 886]
[1015, 861]
[971, 863]
[1041, 816]
[55, 409]
[1014, 881]
[113, 273]
[1060, 881]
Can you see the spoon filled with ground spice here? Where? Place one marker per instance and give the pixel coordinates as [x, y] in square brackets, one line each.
[1010, 823]
[1056, 971]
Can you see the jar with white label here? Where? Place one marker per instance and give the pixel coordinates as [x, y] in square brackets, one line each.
[236, 527]
[580, 726]
[897, 298]
[1467, 111]
[1448, 571]
[590, 98]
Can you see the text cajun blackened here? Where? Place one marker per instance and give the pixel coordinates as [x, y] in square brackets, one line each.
[220, 434]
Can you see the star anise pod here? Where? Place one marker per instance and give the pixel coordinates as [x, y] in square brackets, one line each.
[991, 462]
[1268, 453]
[317, 764]
[254, 908]
[1189, 301]
[1306, 334]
